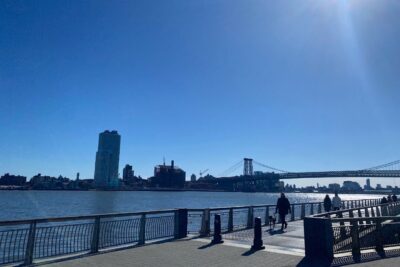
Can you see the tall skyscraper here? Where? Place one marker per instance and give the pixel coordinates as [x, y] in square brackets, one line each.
[107, 160]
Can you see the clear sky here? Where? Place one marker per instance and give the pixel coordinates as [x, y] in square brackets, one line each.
[298, 85]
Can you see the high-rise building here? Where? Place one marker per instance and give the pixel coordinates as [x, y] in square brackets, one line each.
[107, 160]
[127, 172]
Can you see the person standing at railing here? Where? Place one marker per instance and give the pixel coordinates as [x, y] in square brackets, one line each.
[384, 200]
[389, 199]
[336, 202]
[327, 203]
[283, 208]
[394, 198]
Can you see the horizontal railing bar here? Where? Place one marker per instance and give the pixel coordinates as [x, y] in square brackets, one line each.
[382, 218]
[108, 215]
[273, 205]
[346, 210]
[84, 217]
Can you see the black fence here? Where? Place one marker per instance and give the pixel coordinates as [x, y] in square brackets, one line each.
[24, 241]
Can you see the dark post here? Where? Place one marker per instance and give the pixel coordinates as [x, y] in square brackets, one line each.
[342, 229]
[31, 244]
[230, 220]
[292, 217]
[142, 230]
[217, 238]
[318, 239]
[266, 215]
[181, 223]
[257, 242]
[250, 218]
[379, 239]
[355, 241]
[205, 223]
[96, 234]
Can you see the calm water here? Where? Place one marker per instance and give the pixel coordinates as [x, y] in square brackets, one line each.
[36, 204]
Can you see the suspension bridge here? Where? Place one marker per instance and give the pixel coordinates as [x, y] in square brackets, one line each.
[269, 180]
[388, 170]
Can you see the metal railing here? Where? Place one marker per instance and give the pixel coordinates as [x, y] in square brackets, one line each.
[201, 221]
[353, 230]
[24, 241]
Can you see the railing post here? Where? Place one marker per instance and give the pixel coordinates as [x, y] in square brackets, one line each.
[266, 215]
[250, 217]
[348, 204]
[230, 220]
[351, 214]
[378, 212]
[312, 209]
[292, 217]
[366, 213]
[217, 238]
[205, 223]
[30, 244]
[352, 204]
[303, 211]
[94, 248]
[142, 230]
[355, 241]
[181, 222]
[318, 239]
[342, 229]
[379, 238]
[359, 216]
[257, 241]
[384, 210]
[372, 212]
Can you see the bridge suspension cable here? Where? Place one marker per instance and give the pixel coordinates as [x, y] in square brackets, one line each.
[385, 166]
[231, 169]
[269, 167]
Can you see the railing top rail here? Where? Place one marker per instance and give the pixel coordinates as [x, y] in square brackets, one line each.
[268, 205]
[84, 217]
[109, 215]
[345, 210]
[381, 218]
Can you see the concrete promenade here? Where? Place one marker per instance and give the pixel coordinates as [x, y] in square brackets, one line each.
[198, 253]
[282, 249]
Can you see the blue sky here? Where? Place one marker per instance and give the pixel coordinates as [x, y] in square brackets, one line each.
[301, 86]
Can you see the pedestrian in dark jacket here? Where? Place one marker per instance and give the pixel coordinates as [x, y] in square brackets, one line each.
[327, 203]
[384, 200]
[394, 198]
[283, 208]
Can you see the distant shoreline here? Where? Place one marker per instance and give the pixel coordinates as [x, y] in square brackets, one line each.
[189, 190]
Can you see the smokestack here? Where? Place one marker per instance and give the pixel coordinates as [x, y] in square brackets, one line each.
[172, 164]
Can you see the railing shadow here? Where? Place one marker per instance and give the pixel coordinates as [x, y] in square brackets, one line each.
[365, 257]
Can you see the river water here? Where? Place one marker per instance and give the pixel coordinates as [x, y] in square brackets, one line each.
[40, 204]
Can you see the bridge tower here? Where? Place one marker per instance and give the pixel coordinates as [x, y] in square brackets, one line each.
[248, 167]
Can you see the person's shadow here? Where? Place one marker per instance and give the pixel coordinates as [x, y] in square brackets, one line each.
[275, 231]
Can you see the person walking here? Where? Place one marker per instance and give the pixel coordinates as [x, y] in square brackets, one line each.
[336, 202]
[283, 208]
[327, 203]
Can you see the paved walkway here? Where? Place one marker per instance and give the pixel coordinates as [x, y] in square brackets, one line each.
[198, 253]
[282, 249]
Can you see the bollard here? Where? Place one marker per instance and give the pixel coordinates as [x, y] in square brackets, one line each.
[257, 242]
[217, 238]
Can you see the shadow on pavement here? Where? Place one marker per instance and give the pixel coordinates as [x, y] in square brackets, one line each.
[348, 260]
[207, 246]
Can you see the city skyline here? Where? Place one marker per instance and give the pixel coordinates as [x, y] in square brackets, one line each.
[306, 87]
